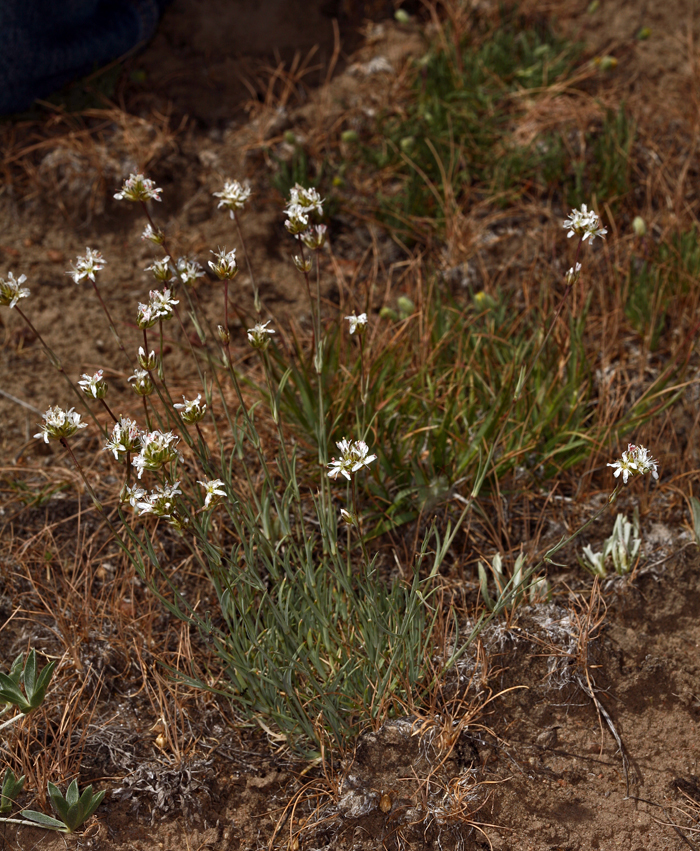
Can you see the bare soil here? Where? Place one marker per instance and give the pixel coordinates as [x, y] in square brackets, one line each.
[571, 727]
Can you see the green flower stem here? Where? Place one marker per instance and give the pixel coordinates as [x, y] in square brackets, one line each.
[145, 411]
[256, 293]
[358, 520]
[112, 326]
[56, 363]
[109, 410]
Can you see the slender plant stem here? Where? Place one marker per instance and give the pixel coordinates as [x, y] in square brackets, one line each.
[256, 292]
[112, 326]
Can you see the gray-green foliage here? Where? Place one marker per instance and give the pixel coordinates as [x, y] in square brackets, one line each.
[73, 809]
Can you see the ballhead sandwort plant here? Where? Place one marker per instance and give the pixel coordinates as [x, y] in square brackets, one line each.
[313, 641]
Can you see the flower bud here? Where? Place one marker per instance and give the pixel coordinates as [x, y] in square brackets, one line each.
[224, 335]
[147, 361]
[302, 264]
[639, 226]
[143, 383]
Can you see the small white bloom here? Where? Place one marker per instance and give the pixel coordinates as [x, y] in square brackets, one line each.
[157, 449]
[59, 424]
[307, 199]
[138, 188]
[147, 361]
[132, 495]
[94, 386]
[258, 335]
[11, 290]
[314, 237]
[86, 266]
[635, 461]
[233, 197]
[215, 491]
[143, 383]
[146, 316]
[162, 303]
[191, 411]
[155, 236]
[302, 264]
[126, 437]
[357, 322]
[347, 517]
[189, 271]
[225, 266]
[297, 219]
[354, 456]
[161, 270]
[573, 275]
[584, 223]
[160, 502]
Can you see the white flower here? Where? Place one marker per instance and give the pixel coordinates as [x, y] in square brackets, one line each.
[132, 495]
[303, 264]
[308, 199]
[584, 223]
[233, 197]
[314, 237]
[59, 424]
[157, 449]
[297, 219]
[215, 490]
[573, 275]
[146, 316]
[126, 437]
[86, 266]
[138, 188]
[635, 461]
[162, 303]
[143, 383]
[94, 386]
[147, 361]
[354, 456]
[192, 412]
[225, 266]
[160, 501]
[257, 336]
[357, 322]
[155, 236]
[161, 270]
[11, 290]
[189, 271]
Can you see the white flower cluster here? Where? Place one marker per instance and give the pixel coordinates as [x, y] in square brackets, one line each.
[160, 502]
[302, 202]
[59, 424]
[224, 266]
[233, 197]
[126, 437]
[258, 335]
[354, 456]
[635, 461]
[94, 386]
[584, 223]
[188, 271]
[11, 290]
[161, 270]
[191, 411]
[86, 266]
[138, 188]
[143, 383]
[160, 306]
[158, 448]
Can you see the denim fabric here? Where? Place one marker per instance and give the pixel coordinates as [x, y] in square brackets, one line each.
[46, 43]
